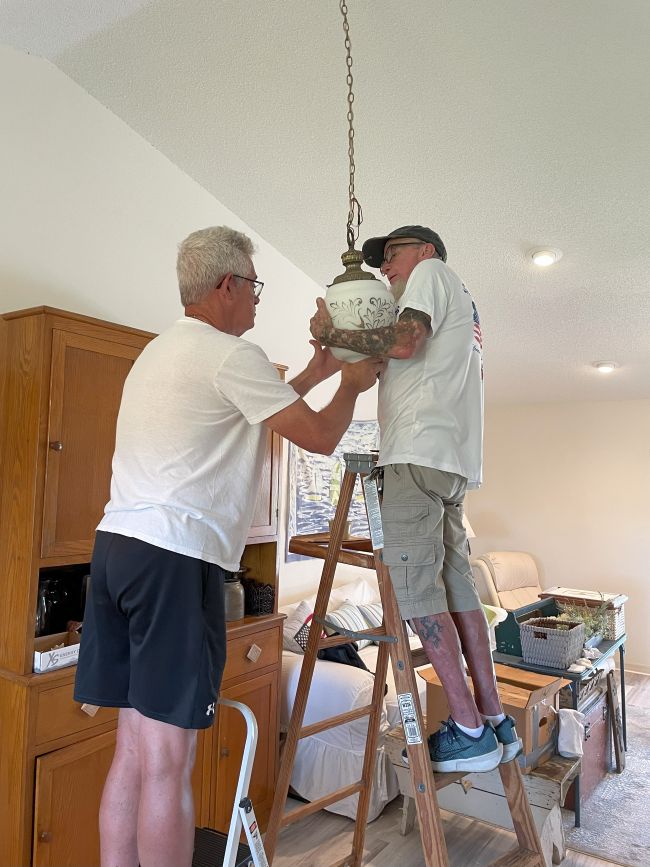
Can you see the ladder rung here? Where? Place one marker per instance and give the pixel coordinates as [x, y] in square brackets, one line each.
[519, 858]
[312, 549]
[315, 806]
[419, 657]
[333, 721]
[336, 640]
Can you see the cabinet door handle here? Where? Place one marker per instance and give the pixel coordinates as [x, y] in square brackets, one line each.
[45, 836]
[224, 752]
[56, 445]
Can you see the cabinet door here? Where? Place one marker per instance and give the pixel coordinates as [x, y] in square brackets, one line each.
[261, 695]
[265, 517]
[69, 784]
[87, 377]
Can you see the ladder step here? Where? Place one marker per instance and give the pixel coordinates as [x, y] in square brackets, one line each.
[321, 803]
[312, 549]
[333, 721]
[519, 858]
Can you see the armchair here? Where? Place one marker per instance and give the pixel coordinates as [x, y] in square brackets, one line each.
[507, 579]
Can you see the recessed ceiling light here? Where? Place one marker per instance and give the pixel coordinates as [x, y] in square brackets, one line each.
[604, 366]
[546, 257]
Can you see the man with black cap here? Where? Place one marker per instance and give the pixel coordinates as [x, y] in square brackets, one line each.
[431, 423]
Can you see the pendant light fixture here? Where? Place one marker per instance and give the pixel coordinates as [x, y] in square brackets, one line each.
[356, 299]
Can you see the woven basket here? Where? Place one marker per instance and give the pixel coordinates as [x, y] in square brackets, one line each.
[615, 619]
[542, 643]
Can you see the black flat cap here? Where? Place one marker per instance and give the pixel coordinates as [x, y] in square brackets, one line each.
[373, 248]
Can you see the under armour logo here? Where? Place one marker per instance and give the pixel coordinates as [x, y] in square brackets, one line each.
[210, 709]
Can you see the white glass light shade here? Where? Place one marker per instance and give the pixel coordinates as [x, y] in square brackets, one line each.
[357, 304]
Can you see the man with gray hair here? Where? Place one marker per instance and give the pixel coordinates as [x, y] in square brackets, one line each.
[189, 449]
[431, 423]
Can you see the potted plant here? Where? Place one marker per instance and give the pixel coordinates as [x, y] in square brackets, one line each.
[594, 619]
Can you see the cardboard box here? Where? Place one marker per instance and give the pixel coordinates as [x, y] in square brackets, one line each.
[530, 698]
[46, 658]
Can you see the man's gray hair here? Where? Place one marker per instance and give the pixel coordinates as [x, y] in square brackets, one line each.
[206, 256]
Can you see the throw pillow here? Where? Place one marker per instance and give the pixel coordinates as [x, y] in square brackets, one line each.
[348, 616]
[373, 614]
[295, 631]
[356, 592]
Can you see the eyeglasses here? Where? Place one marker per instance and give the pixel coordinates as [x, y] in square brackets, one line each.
[257, 284]
[390, 250]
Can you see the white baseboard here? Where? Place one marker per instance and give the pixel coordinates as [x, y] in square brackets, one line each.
[635, 668]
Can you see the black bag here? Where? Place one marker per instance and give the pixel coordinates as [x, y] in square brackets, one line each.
[347, 654]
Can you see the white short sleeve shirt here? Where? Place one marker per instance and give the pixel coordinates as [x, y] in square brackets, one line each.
[190, 442]
[431, 405]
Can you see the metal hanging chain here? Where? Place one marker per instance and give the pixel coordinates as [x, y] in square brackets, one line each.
[354, 212]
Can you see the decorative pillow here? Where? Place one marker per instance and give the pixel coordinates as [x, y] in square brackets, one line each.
[356, 592]
[348, 616]
[295, 631]
[373, 614]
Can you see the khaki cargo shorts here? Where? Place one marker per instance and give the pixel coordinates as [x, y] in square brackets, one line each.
[425, 544]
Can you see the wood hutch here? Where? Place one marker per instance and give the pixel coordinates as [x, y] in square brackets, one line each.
[61, 378]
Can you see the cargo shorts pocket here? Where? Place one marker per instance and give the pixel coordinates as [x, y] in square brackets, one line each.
[409, 549]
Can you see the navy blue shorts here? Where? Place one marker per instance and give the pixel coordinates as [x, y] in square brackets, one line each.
[154, 633]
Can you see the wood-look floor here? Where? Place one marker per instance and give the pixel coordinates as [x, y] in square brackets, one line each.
[322, 839]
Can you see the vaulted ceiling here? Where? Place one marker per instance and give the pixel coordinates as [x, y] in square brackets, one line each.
[505, 125]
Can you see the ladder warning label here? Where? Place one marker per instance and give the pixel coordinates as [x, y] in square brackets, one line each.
[374, 513]
[409, 718]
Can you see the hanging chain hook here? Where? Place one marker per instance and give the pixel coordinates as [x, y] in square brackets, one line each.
[355, 214]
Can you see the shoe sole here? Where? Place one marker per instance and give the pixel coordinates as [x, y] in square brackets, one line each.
[478, 764]
[511, 751]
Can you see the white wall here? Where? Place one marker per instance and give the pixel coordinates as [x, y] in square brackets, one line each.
[92, 215]
[570, 483]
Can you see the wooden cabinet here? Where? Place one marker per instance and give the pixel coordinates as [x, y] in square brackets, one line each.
[257, 687]
[68, 790]
[61, 379]
[265, 517]
[86, 380]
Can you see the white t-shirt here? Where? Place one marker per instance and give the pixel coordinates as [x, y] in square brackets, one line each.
[190, 444]
[431, 405]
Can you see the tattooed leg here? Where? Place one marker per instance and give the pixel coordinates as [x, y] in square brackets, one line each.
[442, 647]
[475, 641]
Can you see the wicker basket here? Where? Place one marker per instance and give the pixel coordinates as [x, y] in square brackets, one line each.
[542, 643]
[615, 623]
[614, 620]
[614, 612]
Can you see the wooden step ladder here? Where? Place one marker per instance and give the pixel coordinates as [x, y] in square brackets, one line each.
[393, 643]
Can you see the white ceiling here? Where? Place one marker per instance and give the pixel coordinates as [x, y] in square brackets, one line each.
[505, 125]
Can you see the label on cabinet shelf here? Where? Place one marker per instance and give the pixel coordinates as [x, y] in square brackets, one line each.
[56, 651]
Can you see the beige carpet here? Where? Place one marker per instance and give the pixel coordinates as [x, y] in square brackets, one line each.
[615, 820]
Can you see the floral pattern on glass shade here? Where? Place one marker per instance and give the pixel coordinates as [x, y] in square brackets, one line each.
[375, 313]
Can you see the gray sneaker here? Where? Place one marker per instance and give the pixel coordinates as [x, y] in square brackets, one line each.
[507, 736]
[451, 750]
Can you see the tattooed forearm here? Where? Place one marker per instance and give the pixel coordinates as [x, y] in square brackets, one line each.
[411, 315]
[429, 629]
[396, 341]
